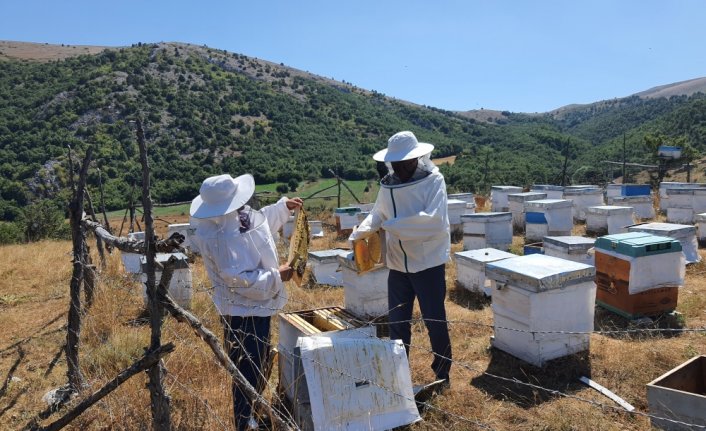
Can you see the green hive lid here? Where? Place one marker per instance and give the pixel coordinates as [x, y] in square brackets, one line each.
[636, 244]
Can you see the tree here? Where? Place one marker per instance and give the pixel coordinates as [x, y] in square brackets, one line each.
[282, 189]
[293, 184]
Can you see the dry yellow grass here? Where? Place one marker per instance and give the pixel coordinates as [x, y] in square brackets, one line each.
[34, 290]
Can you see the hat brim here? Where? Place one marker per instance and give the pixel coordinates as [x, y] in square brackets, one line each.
[420, 150]
[245, 188]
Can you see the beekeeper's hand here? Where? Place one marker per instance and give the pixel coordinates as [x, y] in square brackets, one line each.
[285, 272]
[294, 203]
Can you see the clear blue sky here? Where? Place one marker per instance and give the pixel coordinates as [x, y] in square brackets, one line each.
[522, 55]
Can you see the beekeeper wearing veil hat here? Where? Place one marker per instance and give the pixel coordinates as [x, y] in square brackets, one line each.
[240, 257]
[411, 207]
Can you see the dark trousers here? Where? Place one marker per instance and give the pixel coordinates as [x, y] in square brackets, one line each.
[429, 287]
[247, 340]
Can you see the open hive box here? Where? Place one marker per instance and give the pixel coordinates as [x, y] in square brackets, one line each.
[680, 395]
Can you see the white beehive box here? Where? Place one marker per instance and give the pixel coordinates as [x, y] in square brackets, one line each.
[498, 197]
[643, 205]
[357, 383]
[685, 234]
[324, 266]
[575, 248]
[613, 190]
[516, 203]
[666, 186]
[346, 218]
[180, 287]
[552, 191]
[456, 209]
[328, 322]
[679, 395]
[547, 217]
[466, 197]
[700, 220]
[483, 230]
[288, 228]
[470, 268]
[186, 230]
[470, 208]
[538, 294]
[131, 261]
[364, 293]
[316, 229]
[582, 198]
[608, 219]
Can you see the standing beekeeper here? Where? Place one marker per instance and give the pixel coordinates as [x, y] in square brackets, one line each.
[241, 261]
[411, 207]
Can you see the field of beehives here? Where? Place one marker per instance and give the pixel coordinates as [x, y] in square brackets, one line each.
[34, 282]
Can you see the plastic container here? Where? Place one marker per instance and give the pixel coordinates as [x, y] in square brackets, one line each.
[575, 248]
[487, 230]
[685, 234]
[547, 217]
[324, 266]
[536, 295]
[498, 197]
[583, 197]
[516, 203]
[608, 219]
[180, 287]
[470, 268]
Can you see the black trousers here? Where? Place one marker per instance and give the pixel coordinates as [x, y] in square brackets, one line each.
[247, 340]
[429, 287]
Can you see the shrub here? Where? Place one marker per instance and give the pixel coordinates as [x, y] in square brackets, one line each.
[282, 189]
[11, 233]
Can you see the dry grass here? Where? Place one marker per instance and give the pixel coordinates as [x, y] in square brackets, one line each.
[34, 290]
[43, 52]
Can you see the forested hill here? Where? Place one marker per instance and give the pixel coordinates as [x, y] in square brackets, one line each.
[208, 111]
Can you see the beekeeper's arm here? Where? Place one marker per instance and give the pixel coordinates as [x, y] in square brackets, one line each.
[370, 224]
[426, 223]
[276, 214]
[241, 271]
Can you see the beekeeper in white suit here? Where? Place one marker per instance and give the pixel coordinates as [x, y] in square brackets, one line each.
[241, 261]
[411, 207]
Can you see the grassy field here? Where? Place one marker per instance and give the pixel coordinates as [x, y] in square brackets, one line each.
[34, 300]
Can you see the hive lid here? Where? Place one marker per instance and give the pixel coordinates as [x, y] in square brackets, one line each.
[631, 199]
[666, 229]
[456, 203]
[526, 196]
[483, 255]
[548, 203]
[571, 243]
[682, 191]
[162, 258]
[582, 191]
[551, 187]
[539, 273]
[178, 225]
[487, 217]
[327, 256]
[637, 244]
[347, 260]
[460, 195]
[347, 210]
[609, 210]
[512, 189]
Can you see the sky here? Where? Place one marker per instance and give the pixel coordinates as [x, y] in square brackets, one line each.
[515, 55]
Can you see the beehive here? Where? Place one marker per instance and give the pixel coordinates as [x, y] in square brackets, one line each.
[552, 191]
[470, 268]
[608, 219]
[180, 287]
[346, 219]
[466, 197]
[456, 209]
[484, 230]
[583, 197]
[547, 217]
[685, 234]
[701, 228]
[643, 205]
[330, 321]
[536, 296]
[614, 190]
[516, 203]
[669, 152]
[131, 261]
[316, 229]
[364, 293]
[186, 230]
[685, 203]
[324, 266]
[638, 274]
[498, 197]
[679, 395]
[470, 208]
[574, 248]
[666, 186]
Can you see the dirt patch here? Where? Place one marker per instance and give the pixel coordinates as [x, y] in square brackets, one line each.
[44, 52]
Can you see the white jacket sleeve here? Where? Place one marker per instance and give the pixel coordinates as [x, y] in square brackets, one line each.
[259, 284]
[426, 223]
[276, 214]
[369, 225]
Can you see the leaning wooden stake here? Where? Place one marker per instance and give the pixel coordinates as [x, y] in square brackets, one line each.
[147, 361]
[159, 399]
[185, 317]
[99, 241]
[73, 333]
